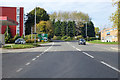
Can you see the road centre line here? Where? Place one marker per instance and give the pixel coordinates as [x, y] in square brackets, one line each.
[110, 66]
[88, 54]
[27, 63]
[33, 59]
[19, 69]
[78, 49]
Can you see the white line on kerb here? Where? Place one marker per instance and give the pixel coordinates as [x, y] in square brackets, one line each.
[110, 66]
[19, 69]
[88, 55]
[27, 63]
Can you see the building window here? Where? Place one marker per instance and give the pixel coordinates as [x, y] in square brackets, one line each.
[18, 20]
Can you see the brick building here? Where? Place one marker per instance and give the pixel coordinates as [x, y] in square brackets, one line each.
[109, 35]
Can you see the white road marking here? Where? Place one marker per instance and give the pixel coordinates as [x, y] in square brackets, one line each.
[27, 63]
[19, 69]
[37, 56]
[78, 49]
[73, 46]
[88, 54]
[33, 59]
[110, 66]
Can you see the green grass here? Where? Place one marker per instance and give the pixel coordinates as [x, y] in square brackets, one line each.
[23, 46]
[99, 42]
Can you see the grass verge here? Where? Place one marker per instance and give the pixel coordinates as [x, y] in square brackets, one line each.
[99, 42]
[23, 46]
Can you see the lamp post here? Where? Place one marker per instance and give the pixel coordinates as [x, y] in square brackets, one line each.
[35, 25]
[86, 30]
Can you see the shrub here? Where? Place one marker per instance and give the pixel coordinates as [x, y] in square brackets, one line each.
[58, 37]
[68, 39]
[31, 40]
[54, 38]
[16, 36]
[64, 37]
[12, 40]
[79, 37]
[22, 36]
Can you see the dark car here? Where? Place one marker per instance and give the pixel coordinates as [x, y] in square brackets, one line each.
[82, 41]
[20, 41]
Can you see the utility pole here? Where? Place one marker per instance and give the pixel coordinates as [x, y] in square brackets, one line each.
[35, 25]
[86, 30]
[31, 33]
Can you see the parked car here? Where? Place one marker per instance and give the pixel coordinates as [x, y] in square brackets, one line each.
[82, 41]
[20, 41]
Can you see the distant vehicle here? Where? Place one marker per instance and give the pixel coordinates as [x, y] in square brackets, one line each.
[45, 39]
[82, 41]
[20, 41]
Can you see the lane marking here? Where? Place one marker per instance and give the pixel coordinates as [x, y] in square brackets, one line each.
[37, 56]
[88, 54]
[78, 49]
[73, 46]
[27, 63]
[33, 59]
[20, 69]
[110, 66]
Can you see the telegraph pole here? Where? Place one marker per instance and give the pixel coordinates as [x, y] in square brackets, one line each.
[86, 30]
[35, 25]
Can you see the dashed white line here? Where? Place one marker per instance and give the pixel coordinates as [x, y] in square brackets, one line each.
[73, 46]
[19, 69]
[37, 56]
[110, 66]
[27, 63]
[88, 54]
[34, 59]
[78, 49]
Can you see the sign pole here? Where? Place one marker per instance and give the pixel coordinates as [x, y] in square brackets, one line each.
[35, 25]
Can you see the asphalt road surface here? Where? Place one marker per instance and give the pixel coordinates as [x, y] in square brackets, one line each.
[60, 59]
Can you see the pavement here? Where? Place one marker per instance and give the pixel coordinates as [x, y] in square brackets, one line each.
[61, 59]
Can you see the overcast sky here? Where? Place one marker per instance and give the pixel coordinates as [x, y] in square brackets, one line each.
[98, 10]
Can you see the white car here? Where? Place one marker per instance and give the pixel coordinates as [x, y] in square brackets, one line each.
[20, 41]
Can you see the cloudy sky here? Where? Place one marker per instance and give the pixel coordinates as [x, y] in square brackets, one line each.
[98, 10]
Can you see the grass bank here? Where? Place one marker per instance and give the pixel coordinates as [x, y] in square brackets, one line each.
[23, 46]
[99, 42]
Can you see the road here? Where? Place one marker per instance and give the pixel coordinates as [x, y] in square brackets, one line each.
[61, 59]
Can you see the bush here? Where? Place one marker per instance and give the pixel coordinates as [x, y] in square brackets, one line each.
[29, 36]
[12, 40]
[79, 37]
[68, 39]
[58, 37]
[31, 40]
[16, 36]
[54, 38]
[22, 36]
[64, 37]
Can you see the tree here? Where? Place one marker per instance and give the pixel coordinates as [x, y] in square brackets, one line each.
[90, 29]
[114, 18]
[97, 30]
[7, 34]
[41, 14]
[45, 27]
[58, 28]
[49, 29]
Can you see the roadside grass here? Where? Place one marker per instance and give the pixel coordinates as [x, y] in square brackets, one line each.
[23, 46]
[99, 42]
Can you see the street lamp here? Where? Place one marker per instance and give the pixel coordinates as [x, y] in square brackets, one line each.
[86, 30]
[35, 25]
